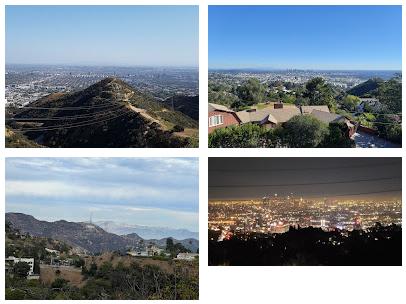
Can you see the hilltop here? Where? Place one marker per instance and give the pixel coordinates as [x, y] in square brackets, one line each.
[367, 88]
[109, 113]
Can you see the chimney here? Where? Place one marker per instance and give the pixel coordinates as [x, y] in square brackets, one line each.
[278, 105]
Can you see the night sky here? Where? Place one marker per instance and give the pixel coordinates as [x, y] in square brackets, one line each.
[338, 177]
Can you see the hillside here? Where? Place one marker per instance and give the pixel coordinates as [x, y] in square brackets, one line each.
[17, 140]
[188, 105]
[109, 113]
[368, 87]
[85, 236]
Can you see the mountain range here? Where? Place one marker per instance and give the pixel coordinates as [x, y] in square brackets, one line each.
[109, 113]
[87, 237]
[147, 232]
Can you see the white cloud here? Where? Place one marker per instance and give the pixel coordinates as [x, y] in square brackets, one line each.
[65, 190]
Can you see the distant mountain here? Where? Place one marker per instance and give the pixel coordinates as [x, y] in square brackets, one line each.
[147, 232]
[85, 236]
[369, 87]
[109, 113]
[188, 105]
[191, 244]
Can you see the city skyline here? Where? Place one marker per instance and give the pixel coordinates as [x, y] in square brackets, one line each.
[103, 35]
[305, 37]
[343, 178]
[143, 191]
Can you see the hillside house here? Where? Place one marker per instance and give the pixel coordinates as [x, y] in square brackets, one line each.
[276, 114]
[220, 116]
[186, 256]
[52, 251]
[328, 118]
[11, 260]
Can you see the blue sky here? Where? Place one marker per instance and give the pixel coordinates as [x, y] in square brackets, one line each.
[103, 35]
[146, 191]
[306, 37]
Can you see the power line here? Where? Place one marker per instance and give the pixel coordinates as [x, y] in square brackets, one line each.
[304, 169]
[67, 126]
[357, 193]
[104, 112]
[65, 108]
[306, 184]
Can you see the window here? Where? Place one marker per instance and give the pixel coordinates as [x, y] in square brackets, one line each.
[215, 120]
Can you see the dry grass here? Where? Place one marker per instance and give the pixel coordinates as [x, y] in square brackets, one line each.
[127, 260]
[71, 274]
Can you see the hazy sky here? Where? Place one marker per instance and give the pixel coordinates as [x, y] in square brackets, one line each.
[147, 191]
[258, 177]
[306, 37]
[103, 35]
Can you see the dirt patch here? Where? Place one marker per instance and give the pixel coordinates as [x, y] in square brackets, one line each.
[71, 274]
[188, 132]
[127, 260]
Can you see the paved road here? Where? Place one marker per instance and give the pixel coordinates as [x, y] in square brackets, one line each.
[366, 140]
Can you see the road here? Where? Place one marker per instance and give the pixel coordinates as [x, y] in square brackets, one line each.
[366, 140]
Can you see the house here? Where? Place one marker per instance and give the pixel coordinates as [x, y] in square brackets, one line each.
[186, 256]
[279, 114]
[329, 118]
[11, 260]
[270, 116]
[154, 250]
[220, 116]
[52, 251]
[151, 250]
[138, 253]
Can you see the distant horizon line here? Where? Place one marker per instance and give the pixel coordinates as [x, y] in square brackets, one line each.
[300, 69]
[104, 65]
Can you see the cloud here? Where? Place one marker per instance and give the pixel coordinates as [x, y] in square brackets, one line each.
[148, 186]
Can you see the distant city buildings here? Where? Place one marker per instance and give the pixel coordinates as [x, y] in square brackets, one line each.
[277, 215]
[25, 84]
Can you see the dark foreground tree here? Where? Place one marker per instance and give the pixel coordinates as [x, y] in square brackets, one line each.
[337, 137]
[21, 269]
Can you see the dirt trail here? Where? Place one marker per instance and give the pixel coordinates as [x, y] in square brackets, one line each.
[144, 114]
